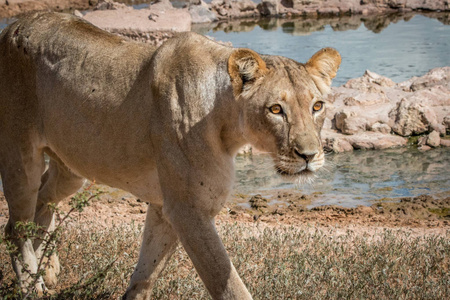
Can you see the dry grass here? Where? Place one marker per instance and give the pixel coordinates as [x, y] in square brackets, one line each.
[275, 263]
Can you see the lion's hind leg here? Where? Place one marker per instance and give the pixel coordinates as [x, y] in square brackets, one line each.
[21, 167]
[57, 183]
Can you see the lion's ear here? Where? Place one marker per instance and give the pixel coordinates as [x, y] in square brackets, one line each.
[323, 66]
[244, 67]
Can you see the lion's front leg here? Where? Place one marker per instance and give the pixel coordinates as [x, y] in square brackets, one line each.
[198, 234]
[158, 245]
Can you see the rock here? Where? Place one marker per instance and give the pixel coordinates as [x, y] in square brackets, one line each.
[375, 140]
[245, 5]
[433, 139]
[77, 13]
[258, 202]
[110, 5]
[380, 127]
[153, 25]
[161, 5]
[373, 103]
[422, 140]
[445, 143]
[366, 99]
[369, 81]
[269, 7]
[201, 13]
[437, 76]
[349, 122]
[411, 118]
[234, 9]
[338, 145]
[424, 148]
[446, 122]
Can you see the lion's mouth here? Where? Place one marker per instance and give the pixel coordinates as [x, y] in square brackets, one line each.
[287, 173]
[304, 176]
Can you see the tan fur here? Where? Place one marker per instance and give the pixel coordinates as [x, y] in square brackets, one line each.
[164, 125]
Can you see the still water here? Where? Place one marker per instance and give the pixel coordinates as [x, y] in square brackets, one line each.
[396, 46]
[356, 178]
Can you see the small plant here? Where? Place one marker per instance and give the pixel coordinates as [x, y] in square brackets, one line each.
[32, 231]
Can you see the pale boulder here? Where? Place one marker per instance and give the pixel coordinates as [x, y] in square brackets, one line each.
[380, 127]
[348, 122]
[411, 118]
[434, 139]
[269, 7]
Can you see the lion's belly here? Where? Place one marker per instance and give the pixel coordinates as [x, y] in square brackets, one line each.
[110, 147]
[135, 175]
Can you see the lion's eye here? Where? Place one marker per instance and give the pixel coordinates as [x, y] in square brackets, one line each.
[317, 106]
[276, 109]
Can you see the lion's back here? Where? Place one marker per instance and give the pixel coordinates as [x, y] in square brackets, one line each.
[46, 55]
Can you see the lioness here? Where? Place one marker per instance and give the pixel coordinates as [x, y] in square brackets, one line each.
[163, 124]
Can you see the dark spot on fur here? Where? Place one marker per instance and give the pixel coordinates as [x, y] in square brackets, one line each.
[93, 90]
[154, 261]
[201, 183]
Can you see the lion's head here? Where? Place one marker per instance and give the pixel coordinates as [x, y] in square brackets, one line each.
[283, 107]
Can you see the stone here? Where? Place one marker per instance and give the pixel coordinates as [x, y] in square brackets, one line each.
[422, 140]
[336, 144]
[424, 148]
[245, 5]
[77, 13]
[154, 25]
[380, 127]
[110, 5]
[349, 122]
[366, 99]
[446, 122]
[342, 145]
[269, 7]
[433, 139]
[201, 13]
[436, 76]
[411, 118]
[369, 79]
[375, 140]
[234, 9]
[445, 143]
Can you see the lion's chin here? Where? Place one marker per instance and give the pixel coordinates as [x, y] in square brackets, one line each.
[301, 177]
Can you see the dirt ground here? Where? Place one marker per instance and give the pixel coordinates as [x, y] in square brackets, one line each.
[423, 214]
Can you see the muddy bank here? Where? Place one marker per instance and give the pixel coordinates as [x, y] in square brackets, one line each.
[290, 208]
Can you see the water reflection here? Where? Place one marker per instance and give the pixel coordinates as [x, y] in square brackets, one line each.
[305, 26]
[356, 178]
[398, 46]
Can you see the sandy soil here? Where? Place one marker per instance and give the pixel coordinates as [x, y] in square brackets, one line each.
[424, 214]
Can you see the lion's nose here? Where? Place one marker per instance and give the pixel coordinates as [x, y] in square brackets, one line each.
[307, 156]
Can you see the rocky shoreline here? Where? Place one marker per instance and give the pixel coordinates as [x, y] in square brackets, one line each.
[373, 112]
[233, 9]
